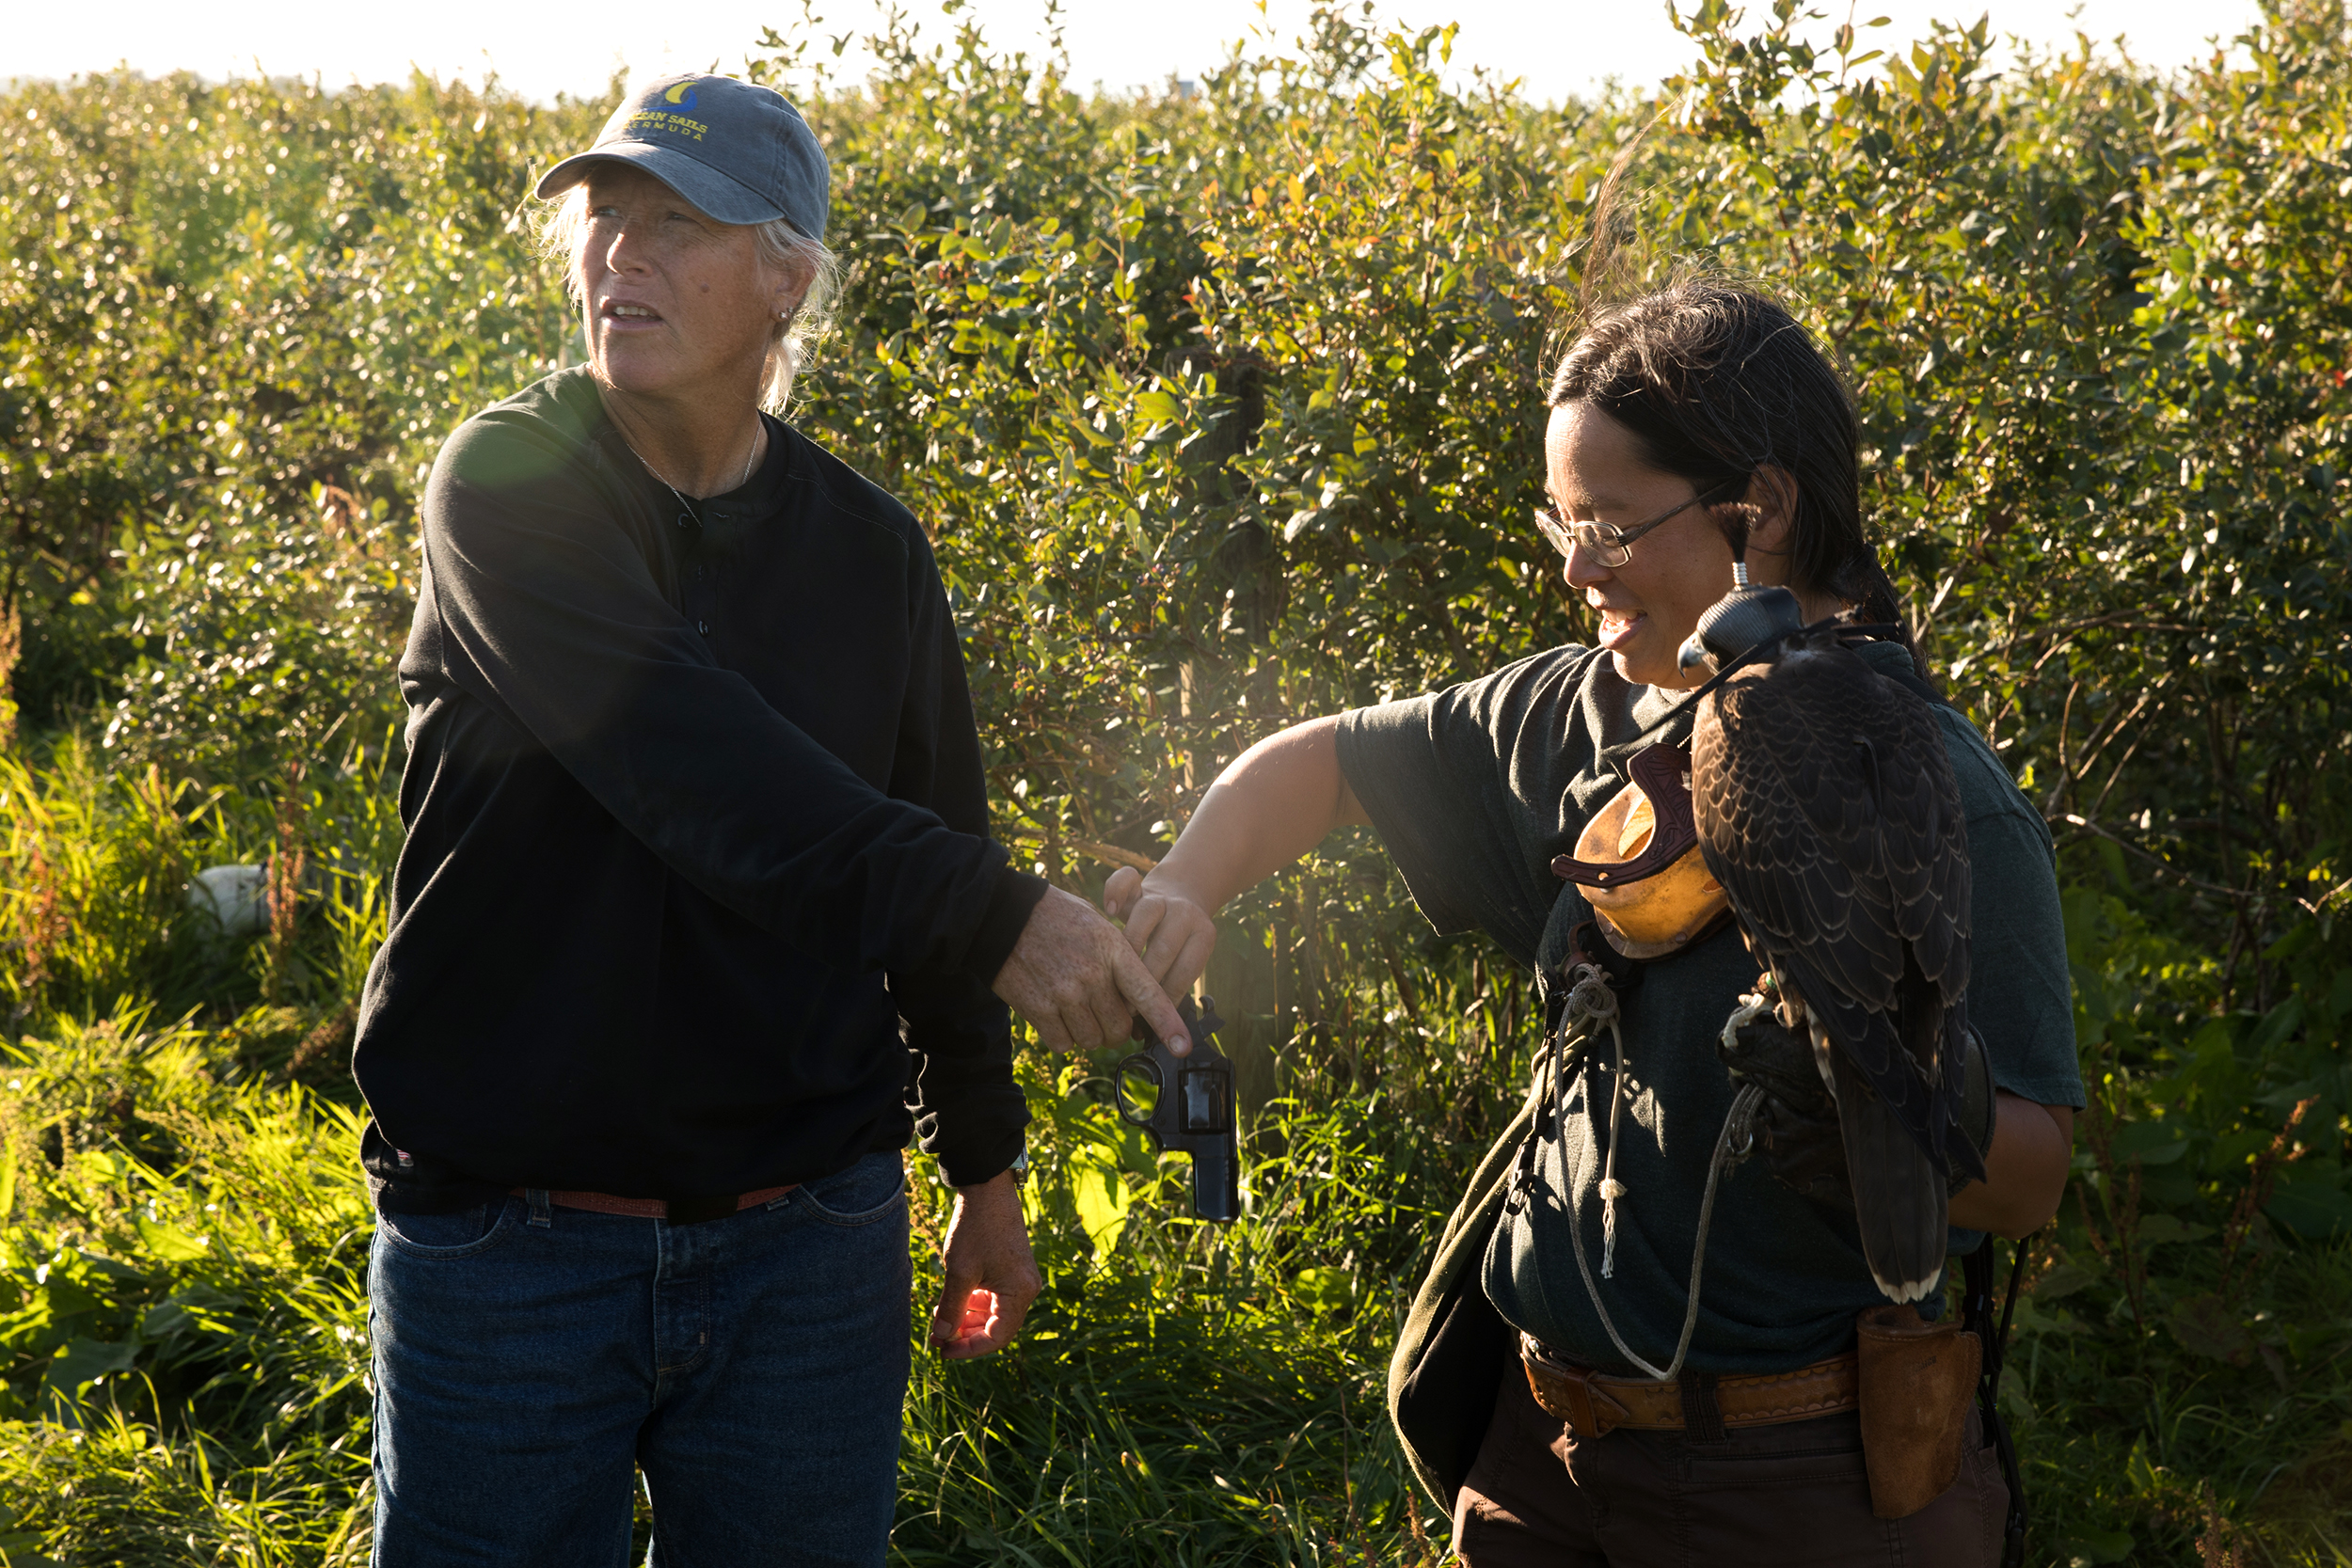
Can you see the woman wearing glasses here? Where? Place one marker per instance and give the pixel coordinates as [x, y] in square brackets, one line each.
[1704, 395]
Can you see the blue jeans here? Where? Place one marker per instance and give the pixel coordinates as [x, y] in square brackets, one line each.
[529, 1361]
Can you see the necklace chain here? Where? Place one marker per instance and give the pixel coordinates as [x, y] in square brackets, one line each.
[749, 458]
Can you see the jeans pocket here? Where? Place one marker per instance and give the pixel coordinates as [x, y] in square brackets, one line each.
[461, 1233]
[869, 1191]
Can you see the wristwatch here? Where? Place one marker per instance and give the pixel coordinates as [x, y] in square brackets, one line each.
[1020, 1167]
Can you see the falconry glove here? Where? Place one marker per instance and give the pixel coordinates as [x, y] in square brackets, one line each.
[1797, 1124]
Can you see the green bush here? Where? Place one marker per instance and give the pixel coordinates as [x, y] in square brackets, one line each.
[234, 325]
[1223, 410]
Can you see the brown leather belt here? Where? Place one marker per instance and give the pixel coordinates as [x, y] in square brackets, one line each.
[643, 1207]
[1592, 1404]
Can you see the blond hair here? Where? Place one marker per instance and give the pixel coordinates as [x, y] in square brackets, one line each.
[792, 340]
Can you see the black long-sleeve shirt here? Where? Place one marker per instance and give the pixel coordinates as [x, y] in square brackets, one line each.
[696, 897]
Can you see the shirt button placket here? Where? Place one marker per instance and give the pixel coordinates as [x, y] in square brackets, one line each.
[702, 624]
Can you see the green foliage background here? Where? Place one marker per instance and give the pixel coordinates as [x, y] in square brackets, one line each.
[1224, 410]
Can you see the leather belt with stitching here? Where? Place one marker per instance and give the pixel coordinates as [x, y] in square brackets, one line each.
[1592, 1404]
[643, 1207]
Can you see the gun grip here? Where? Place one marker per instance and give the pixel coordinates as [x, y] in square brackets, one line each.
[1216, 1193]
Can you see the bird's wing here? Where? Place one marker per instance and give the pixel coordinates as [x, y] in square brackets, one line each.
[1924, 837]
[1782, 796]
[1826, 806]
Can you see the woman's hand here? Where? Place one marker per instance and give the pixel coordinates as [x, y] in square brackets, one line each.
[1169, 927]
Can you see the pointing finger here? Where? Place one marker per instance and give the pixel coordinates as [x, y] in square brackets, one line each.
[1111, 1013]
[1145, 996]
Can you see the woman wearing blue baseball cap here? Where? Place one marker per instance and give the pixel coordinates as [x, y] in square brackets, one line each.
[697, 923]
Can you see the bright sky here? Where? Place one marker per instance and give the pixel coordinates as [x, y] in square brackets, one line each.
[1558, 47]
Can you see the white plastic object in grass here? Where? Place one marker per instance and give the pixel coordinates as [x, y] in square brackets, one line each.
[236, 896]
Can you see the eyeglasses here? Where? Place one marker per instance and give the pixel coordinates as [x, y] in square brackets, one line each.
[1608, 543]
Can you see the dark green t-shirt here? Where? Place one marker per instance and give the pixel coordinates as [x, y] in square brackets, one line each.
[1474, 789]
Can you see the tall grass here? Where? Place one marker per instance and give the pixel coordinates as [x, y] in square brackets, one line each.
[183, 1234]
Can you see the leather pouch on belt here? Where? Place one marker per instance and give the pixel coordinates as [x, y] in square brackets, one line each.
[1916, 1378]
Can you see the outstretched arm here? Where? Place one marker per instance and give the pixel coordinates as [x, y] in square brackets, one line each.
[1275, 802]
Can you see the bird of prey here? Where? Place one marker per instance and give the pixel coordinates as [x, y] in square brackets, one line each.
[1826, 807]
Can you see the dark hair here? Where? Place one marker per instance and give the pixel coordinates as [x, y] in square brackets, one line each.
[1716, 379]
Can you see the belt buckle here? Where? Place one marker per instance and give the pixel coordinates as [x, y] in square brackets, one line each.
[1591, 1412]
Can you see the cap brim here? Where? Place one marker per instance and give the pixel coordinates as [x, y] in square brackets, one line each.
[723, 196]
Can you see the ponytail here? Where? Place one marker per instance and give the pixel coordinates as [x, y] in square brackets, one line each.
[1864, 584]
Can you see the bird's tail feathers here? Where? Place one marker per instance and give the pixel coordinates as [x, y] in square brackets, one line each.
[1900, 1197]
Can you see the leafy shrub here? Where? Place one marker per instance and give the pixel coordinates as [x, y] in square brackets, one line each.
[234, 324]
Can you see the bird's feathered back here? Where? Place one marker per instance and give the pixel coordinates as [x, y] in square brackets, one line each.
[1827, 807]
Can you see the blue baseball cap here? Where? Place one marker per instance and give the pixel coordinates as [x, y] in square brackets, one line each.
[736, 150]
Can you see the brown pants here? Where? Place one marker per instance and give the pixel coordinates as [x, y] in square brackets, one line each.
[1763, 1495]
